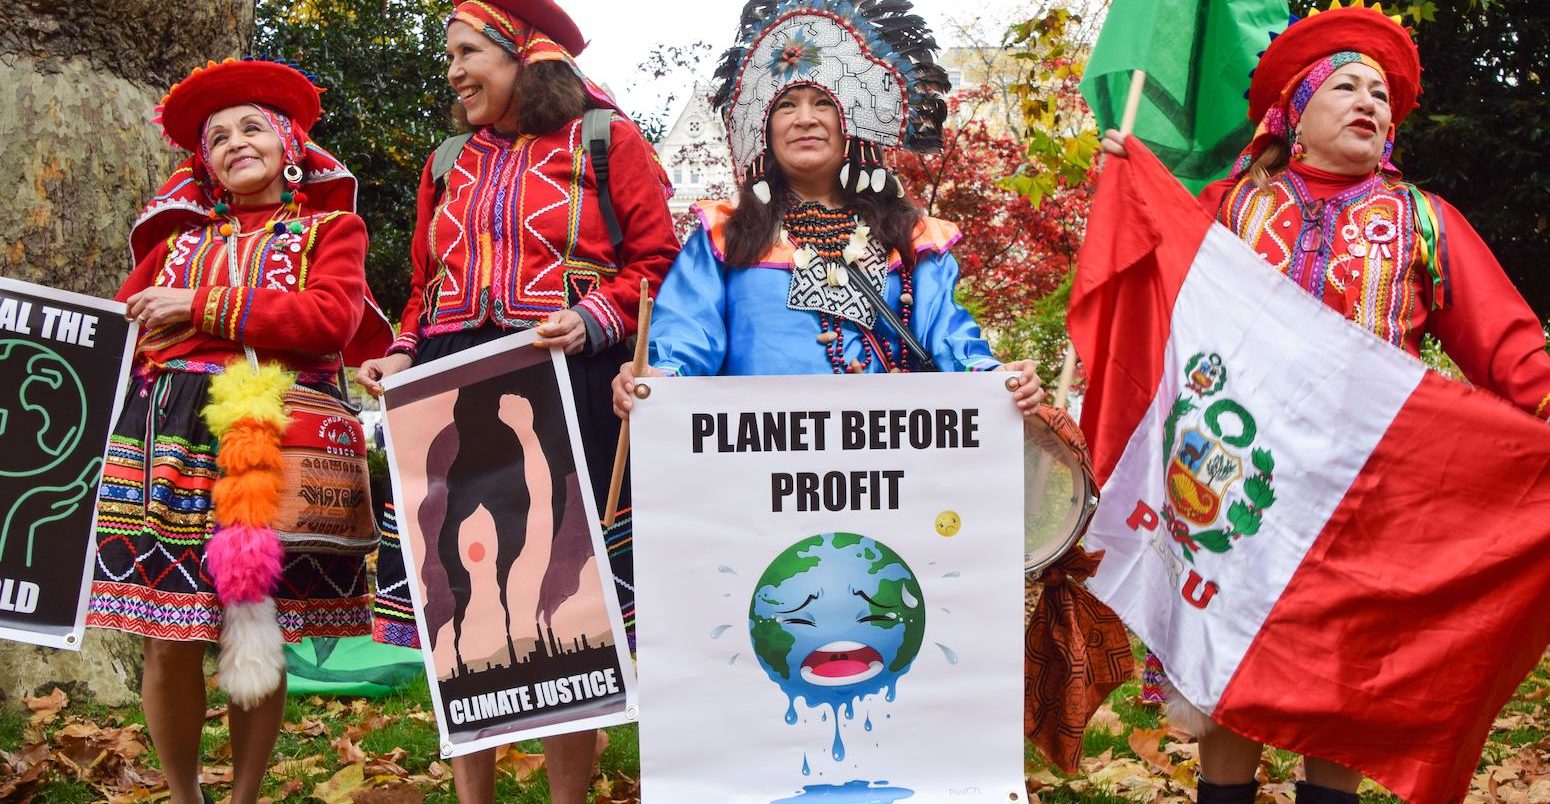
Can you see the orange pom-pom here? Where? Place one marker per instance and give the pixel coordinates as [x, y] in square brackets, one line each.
[247, 499]
[250, 446]
[226, 230]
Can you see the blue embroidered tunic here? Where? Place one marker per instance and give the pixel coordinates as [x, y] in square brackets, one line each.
[711, 319]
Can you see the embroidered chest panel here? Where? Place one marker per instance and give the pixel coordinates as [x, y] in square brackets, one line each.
[199, 257]
[516, 234]
[1357, 251]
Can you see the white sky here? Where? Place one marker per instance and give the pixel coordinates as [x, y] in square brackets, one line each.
[623, 32]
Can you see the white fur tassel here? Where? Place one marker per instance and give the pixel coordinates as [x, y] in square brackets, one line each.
[252, 652]
[1184, 715]
[761, 191]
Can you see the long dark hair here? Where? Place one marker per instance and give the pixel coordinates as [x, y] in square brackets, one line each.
[753, 226]
[547, 95]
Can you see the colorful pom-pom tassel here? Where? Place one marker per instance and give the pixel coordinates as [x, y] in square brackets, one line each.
[247, 414]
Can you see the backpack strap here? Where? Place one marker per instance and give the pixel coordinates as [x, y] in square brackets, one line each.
[445, 157]
[596, 132]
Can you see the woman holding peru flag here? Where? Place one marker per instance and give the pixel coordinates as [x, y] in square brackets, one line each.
[1316, 537]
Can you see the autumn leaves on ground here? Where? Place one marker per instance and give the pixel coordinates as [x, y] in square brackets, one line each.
[361, 751]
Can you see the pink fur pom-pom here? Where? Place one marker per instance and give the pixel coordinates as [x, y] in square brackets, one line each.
[245, 561]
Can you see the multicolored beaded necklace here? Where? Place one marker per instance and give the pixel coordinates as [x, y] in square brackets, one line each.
[827, 232]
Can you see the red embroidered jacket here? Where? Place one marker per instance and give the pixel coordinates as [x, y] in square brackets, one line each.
[516, 235]
[299, 303]
[1399, 264]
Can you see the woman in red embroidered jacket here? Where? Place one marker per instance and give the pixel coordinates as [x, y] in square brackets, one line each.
[512, 237]
[1316, 196]
[250, 252]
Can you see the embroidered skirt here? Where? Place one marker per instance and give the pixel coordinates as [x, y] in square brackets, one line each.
[590, 377]
[154, 517]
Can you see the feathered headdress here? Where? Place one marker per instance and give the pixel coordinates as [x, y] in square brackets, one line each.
[874, 57]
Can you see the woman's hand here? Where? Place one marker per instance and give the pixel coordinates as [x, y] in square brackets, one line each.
[159, 307]
[1114, 144]
[564, 330]
[1029, 393]
[624, 388]
[371, 373]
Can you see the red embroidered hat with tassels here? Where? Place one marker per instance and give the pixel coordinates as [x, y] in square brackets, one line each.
[1355, 28]
[546, 16]
[219, 85]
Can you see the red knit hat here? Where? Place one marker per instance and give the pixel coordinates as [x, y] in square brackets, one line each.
[1365, 30]
[217, 86]
[546, 16]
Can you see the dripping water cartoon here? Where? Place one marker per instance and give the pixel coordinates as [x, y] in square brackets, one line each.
[836, 619]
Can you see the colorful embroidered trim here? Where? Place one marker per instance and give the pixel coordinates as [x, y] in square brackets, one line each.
[513, 34]
[1280, 121]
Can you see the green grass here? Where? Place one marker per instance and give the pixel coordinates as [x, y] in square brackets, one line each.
[70, 791]
[1064, 795]
[398, 721]
[13, 719]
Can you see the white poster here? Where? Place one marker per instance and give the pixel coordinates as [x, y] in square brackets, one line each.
[829, 576]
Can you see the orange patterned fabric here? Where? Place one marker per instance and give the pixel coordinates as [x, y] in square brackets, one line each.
[1075, 652]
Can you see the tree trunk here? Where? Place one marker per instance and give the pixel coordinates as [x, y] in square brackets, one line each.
[80, 157]
[78, 83]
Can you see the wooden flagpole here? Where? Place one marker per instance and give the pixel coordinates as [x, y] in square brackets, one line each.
[622, 452]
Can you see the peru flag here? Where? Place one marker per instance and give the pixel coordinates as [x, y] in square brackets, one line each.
[1332, 550]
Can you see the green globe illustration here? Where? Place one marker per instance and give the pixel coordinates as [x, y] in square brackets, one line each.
[42, 409]
[836, 617]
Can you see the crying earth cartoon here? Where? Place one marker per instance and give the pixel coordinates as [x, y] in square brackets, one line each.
[834, 618]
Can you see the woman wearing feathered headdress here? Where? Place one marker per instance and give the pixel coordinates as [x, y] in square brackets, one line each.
[821, 263]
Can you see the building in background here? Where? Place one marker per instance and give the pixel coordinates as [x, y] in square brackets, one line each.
[695, 154]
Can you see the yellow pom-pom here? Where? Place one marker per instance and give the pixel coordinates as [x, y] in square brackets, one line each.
[226, 230]
[242, 393]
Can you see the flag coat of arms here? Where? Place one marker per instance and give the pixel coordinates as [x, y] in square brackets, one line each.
[1332, 549]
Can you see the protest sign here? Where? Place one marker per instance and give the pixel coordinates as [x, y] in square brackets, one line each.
[517, 615]
[63, 361]
[829, 575]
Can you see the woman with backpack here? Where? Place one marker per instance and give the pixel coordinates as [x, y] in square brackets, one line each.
[521, 225]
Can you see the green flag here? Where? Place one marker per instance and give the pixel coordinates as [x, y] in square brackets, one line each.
[349, 666]
[1197, 55]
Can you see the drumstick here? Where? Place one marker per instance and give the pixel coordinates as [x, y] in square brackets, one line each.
[1126, 126]
[622, 452]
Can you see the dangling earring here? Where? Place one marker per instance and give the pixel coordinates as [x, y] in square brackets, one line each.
[759, 187]
[1299, 153]
[219, 210]
[292, 196]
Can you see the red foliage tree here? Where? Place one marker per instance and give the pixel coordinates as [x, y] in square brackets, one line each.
[1013, 253]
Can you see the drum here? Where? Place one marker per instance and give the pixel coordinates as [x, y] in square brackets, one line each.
[1060, 495]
